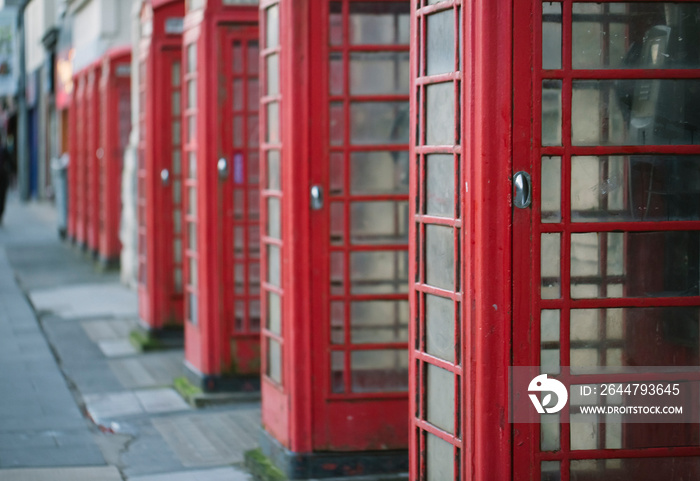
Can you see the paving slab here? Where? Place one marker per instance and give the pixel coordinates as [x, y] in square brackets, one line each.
[211, 439]
[109, 329]
[103, 407]
[117, 348]
[149, 370]
[218, 474]
[107, 473]
[161, 400]
[86, 301]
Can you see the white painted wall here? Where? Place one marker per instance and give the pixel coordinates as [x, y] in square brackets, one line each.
[98, 26]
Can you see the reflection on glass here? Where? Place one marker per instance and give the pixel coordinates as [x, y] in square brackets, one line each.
[549, 341]
[378, 321]
[272, 27]
[440, 327]
[550, 437]
[439, 257]
[440, 113]
[274, 360]
[550, 471]
[440, 43]
[378, 172]
[379, 23]
[551, 35]
[440, 184]
[440, 398]
[635, 112]
[551, 189]
[379, 272]
[380, 370]
[635, 35]
[551, 112]
[622, 336]
[378, 123]
[607, 264]
[550, 266]
[635, 188]
[379, 222]
[440, 459]
[378, 73]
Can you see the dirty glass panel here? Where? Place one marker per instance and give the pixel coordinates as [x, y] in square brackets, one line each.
[335, 73]
[177, 250]
[193, 272]
[380, 172]
[378, 321]
[335, 29]
[379, 23]
[175, 74]
[635, 188]
[274, 222]
[440, 114]
[440, 398]
[622, 336]
[274, 360]
[551, 35]
[379, 272]
[550, 206]
[550, 433]
[337, 371]
[551, 112]
[634, 468]
[549, 341]
[440, 327]
[337, 322]
[192, 236]
[253, 94]
[440, 185]
[439, 257]
[175, 106]
[273, 170]
[550, 266]
[337, 215]
[379, 370]
[378, 73]
[440, 459]
[274, 265]
[177, 221]
[440, 42]
[272, 134]
[272, 27]
[607, 265]
[336, 123]
[273, 74]
[178, 279]
[550, 471]
[238, 94]
[379, 222]
[274, 313]
[192, 313]
[636, 112]
[337, 274]
[378, 123]
[635, 35]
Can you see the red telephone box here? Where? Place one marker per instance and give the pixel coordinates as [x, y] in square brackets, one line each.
[592, 109]
[114, 126]
[73, 150]
[78, 188]
[160, 166]
[92, 156]
[220, 52]
[335, 235]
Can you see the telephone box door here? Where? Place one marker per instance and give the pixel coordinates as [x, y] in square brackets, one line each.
[606, 256]
[238, 199]
[359, 214]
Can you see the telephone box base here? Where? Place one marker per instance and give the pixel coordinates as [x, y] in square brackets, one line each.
[214, 383]
[381, 465]
[167, 337]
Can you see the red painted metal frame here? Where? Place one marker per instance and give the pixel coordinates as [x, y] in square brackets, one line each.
[80, 184]
[160, 202]
[92, 156]
[204, 354]
[526, 224]
[72, 174]
[482, 437]
[299, 409]
[115, 124]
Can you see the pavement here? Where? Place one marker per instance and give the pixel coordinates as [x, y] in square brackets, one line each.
[77, 401]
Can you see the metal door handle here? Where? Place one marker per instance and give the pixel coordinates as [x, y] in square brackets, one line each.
[222, 167]
[165, 177]
[522, 190]
[316, 197]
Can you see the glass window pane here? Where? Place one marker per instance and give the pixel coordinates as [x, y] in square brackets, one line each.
[380, 222]
[273, 123]
[175, 74]
[635, 468]
[550, 265]
[177, 192]
[274, 222]
[551, 189]
[378, 123]
[378, 73]
[379, 321]
[440, 398]
[273, 170]
[177, 162]
[253, 94]
[337, 371]
[274, 265]
[335, 31]
[381, 272]
[381, 370]
[192, 202]
[272, 26]
[440, 459]
[440, 114]
[253, 54]
[551, 35]
[273, 74]
[335, 73]
[336, 123]
[274, 313]
[175, 105]
[379, 23]
[192, 94]
[337, 273]
[439, 257]
[238, 94]
[192, 309]
[549, 341]
[378, 172]
[550, 471]
[440, 42]
[440, 327]
[192, 237]
[440, 184]
[551, 112]
[274, 360]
